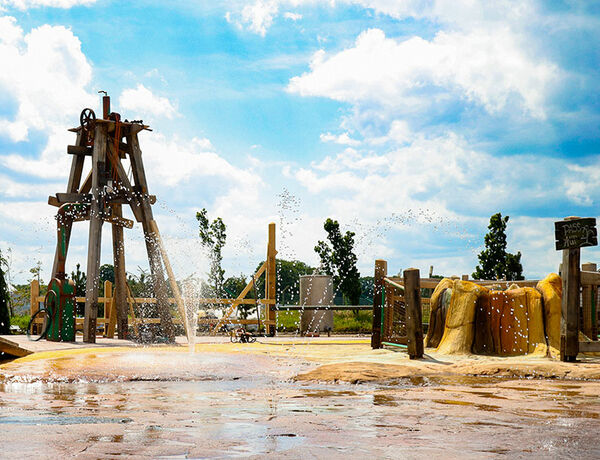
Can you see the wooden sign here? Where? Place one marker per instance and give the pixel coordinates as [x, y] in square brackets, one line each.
[576, 233]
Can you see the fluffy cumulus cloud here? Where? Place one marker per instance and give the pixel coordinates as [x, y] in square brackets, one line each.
[143, 102]
[488, 68]
[46, 75]
[45, 80]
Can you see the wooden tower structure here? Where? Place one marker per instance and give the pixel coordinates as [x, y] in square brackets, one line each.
[108, 141]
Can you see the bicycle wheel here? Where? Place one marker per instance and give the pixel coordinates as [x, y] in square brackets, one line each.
[38, 325]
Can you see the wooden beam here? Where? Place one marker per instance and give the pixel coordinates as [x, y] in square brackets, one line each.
[120, 300]
[588, 296]
[271, 278]
[95, 237]
[79, 150]
[380, 274]
[569, 327]
[72, 186]
[414, 324]
[74, 197]
[151, 240]
[237, 301]
[589, 347]
[589, 277]
[87, 184]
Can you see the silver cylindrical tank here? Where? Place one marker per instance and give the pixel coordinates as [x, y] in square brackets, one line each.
[316, 290]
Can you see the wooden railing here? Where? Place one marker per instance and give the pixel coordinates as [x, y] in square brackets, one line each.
[107, 321]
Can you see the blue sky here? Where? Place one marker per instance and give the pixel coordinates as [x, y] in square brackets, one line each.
[411, 122]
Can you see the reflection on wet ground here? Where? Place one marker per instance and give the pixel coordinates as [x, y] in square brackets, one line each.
[178, 405]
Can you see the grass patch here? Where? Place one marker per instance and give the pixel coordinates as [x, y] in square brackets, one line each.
[343, 321]
[348, 321]
[21, 321]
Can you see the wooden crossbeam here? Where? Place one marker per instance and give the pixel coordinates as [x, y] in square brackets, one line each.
[242, 295]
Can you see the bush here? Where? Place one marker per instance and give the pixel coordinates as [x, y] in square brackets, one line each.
[22, 321]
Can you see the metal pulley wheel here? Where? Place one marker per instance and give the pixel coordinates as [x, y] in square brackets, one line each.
[87, 119]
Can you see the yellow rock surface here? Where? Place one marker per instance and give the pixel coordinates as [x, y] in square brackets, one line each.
[459, 329]
[504, 323]
[551, 290]
[439, 302]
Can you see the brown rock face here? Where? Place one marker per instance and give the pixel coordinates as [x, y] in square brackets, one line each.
[466, 317]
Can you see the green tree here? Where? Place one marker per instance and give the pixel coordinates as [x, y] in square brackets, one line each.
[4, 299]
[339, 261]
[107, 273]
[213, 237]
[36, 271]
[494, 261]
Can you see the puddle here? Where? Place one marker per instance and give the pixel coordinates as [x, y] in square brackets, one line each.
[209, 405]
[58, 420]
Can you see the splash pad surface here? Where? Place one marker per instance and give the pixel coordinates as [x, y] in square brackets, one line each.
[265, 399]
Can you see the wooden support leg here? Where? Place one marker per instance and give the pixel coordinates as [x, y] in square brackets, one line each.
[380, 273]
[569, 325]
[588, 296]
[95, 236]
[93, 277]
[271, 282]
[120, 300]
[414, 324]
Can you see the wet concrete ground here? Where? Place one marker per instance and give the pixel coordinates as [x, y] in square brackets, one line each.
[153, 404]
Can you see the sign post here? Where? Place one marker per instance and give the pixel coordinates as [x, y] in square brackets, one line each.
[571, 234]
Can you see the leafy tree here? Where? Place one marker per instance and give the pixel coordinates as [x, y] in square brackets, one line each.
[213, 237]
[494, 261]
[140, 285]
[4, 299]
[36, 271]
[339, 261]
[107, 273]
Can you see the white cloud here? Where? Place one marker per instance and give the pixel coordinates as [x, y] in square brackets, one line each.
[26, 4]
[45, 73]
[343, 139]
[489, 68]
[458, 14]
[45, 77]
[142, 102]
[292, 16]
[259, 16]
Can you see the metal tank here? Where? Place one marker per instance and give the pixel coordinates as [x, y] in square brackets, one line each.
[316, 290]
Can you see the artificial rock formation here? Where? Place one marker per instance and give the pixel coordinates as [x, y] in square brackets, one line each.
[468, 318]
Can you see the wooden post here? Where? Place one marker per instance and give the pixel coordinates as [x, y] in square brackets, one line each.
[378, 289]
[95, 235]
[271, 281]
[589, 294]
[414, 324]
[34, 293]
[569, 328]
[119, 310]
[109, 305]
